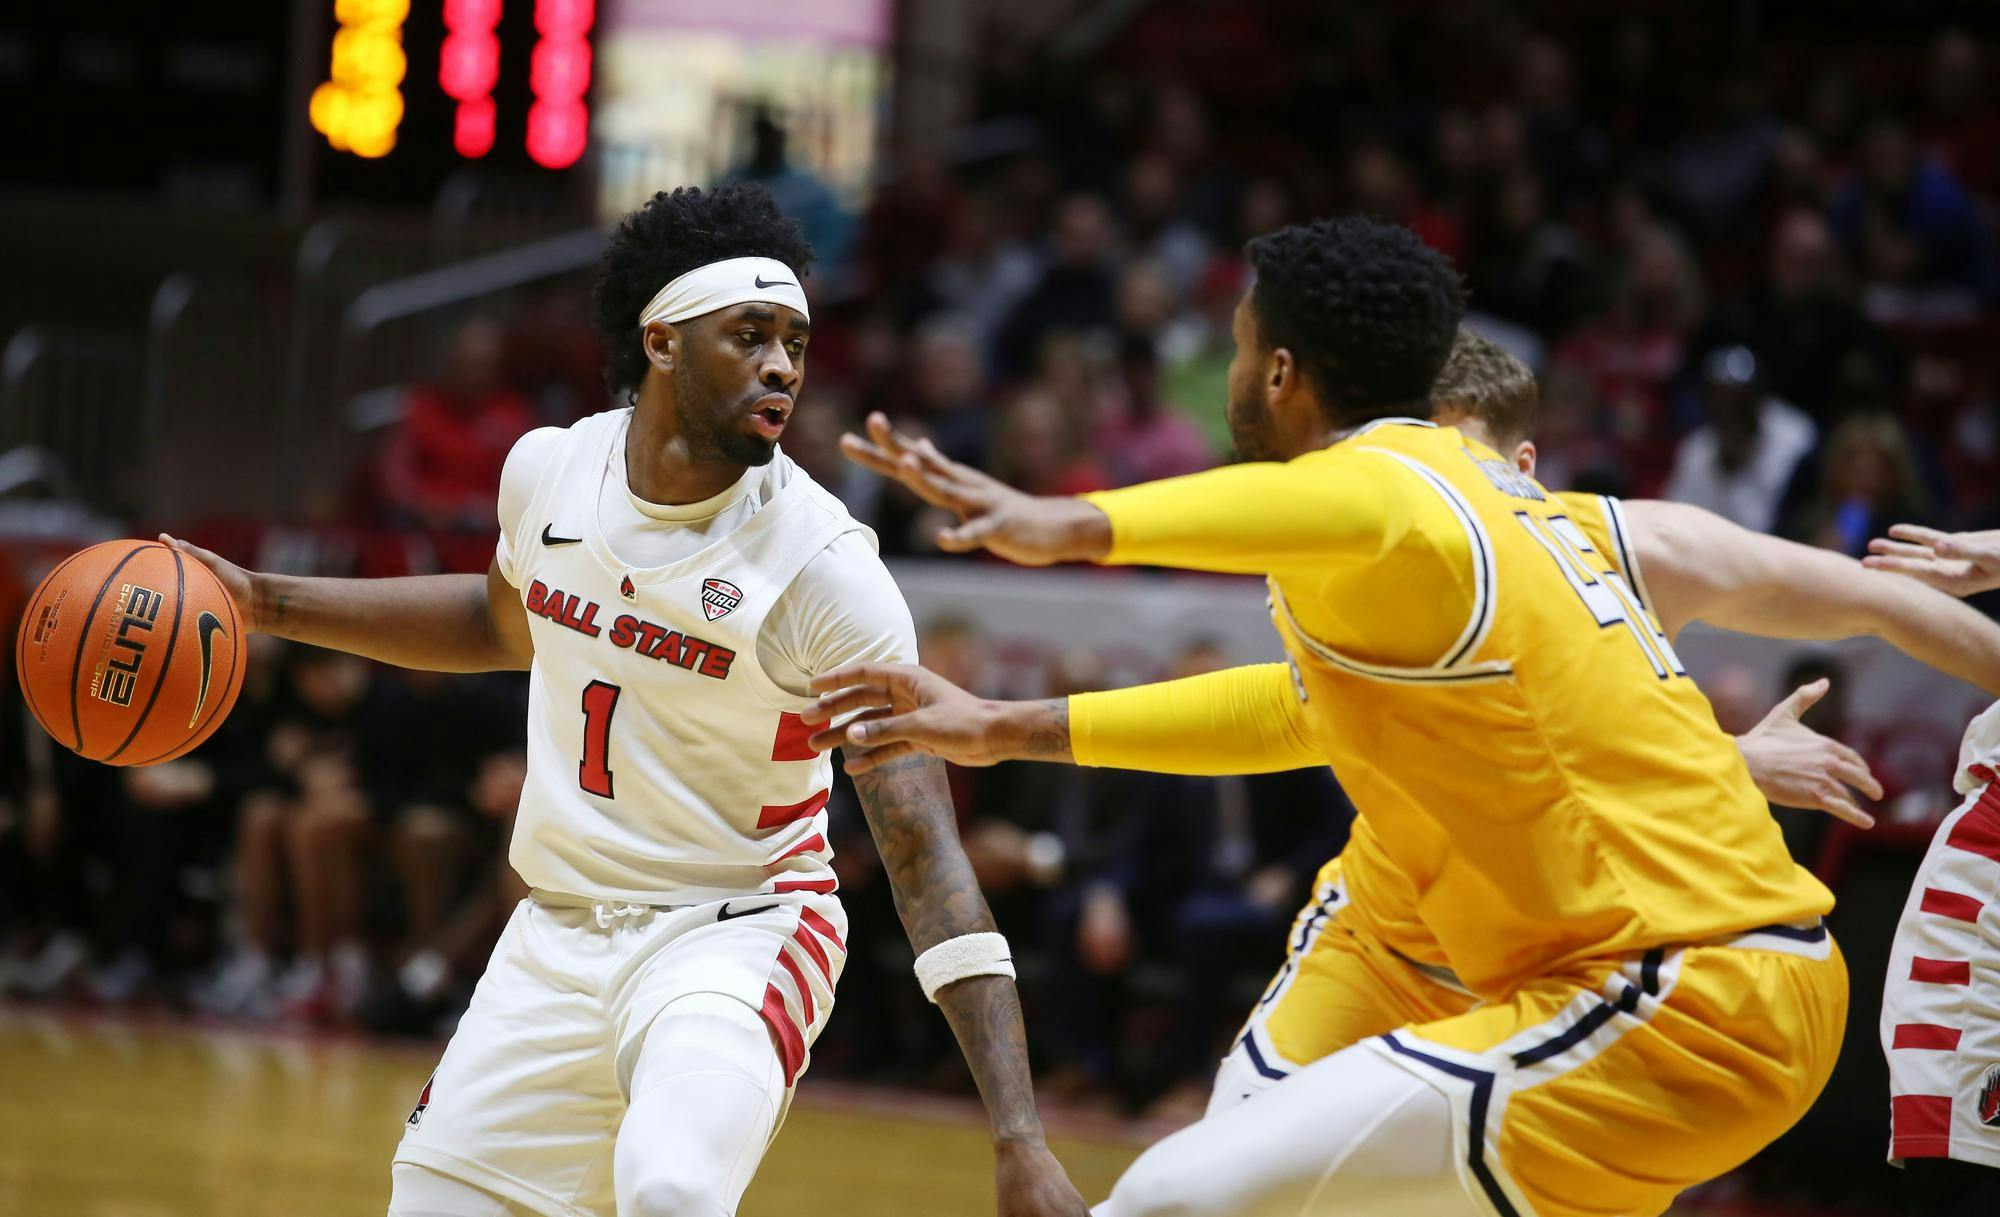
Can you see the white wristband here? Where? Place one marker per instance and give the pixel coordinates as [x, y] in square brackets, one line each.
[954, 959]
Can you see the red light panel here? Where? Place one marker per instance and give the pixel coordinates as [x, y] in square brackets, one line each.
[557, 133]
[472, 130]
[557, 18]
[469, 64]
[559, 74]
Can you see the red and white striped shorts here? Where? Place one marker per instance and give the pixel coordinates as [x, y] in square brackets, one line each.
[1941, 1003]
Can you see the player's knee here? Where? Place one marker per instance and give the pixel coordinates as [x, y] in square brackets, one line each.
[1157, 1185]
[670, 1192]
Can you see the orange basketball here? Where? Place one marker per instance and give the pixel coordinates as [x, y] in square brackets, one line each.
[130, 653]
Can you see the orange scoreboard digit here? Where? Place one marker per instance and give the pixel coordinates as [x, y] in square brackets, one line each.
[360, 105]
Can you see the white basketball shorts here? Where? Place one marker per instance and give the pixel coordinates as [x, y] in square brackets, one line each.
[527, 1101]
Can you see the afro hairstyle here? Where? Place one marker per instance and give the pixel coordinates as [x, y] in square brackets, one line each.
[1366, 308]
[671, 234]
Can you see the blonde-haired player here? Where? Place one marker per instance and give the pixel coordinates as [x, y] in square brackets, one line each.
[1657, 996]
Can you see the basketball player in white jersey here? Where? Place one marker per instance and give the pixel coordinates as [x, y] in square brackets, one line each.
[673, 583]
[1940, 1001]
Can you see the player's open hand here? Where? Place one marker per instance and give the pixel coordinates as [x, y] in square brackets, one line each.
[1031, 1183]
[1030, 529]
[235, 580]
[1961, 563]
[901, 709]
[1796, 766]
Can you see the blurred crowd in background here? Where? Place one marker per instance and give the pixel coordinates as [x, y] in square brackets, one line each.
[1764, 283]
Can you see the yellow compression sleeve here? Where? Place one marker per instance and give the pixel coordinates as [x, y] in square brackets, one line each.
[1238, 720]
[1334, 507]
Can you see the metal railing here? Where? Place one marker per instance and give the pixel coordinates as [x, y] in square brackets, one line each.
[75, 393]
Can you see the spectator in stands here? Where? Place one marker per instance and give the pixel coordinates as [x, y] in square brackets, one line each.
[1529, 269]
[1039, 446]
[1919, 236]
[980, 275]
[1630, 355]
[1155, 227]
[799, 194]
[440, 467]
[1739, 463]
[461, 749]
[948, 389]
[1801, 319]
[1960, 124]
[1868, 481]
[1077, 292]
[1141, 439]
[316, 745]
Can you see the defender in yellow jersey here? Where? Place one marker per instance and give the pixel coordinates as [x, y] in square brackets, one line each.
[1342, 982]
[1657, 997]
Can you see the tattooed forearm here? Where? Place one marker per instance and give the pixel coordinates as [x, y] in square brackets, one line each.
[909, 811]
[1047, 737]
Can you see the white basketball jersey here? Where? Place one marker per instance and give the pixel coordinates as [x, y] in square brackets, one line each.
[664, 765]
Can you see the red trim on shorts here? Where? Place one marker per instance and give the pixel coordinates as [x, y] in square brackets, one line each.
[791, 742]
[822, 886]
[1921, 1125]
[823, 928]
[1940, 971]
[805, 990]
[814, 952]
[1925, 1035]
[1952, 905]
[774, 816]
[791, 1045]
[1978, 830]
[816, 841]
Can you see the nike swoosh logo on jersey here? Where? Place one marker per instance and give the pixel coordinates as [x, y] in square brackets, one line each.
[208, 625]
[549, 539]
[723, 914]
[774, 283]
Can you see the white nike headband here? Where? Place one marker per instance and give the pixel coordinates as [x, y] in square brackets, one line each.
[721, 284]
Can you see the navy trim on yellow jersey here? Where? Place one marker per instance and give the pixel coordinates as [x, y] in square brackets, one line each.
[1479, 623]
[1494, 669]
[1614, 514]
[1257, 1061]
[1482, 1097]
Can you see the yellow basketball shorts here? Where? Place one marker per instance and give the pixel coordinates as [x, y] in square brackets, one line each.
[1604, 1090]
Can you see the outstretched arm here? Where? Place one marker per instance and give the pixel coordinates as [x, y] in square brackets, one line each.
[908, 806]
[442, 623]
[1700, 567]
[1238, 720]
[1219, 520]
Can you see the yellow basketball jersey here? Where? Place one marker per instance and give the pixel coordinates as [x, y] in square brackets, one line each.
[1553, 787]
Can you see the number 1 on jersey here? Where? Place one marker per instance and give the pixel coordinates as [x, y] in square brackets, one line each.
[600, 702]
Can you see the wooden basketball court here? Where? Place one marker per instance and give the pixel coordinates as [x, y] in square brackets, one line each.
[102, 1118]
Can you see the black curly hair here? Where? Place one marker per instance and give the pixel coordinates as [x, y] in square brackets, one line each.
[1366, 308]
[674, 232]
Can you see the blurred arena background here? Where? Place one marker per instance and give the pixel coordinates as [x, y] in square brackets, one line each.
[289, 278]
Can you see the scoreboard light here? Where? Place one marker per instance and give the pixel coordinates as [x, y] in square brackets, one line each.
[358, 107]
[468, 68]
[559, 76]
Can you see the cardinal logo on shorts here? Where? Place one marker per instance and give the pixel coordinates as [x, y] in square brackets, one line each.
[719, 597]
[1989, 1097]
[423, 1101]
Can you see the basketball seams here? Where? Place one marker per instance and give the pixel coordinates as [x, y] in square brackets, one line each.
[166, 664]
[21, 636]
[239, 660]
[83, 636]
